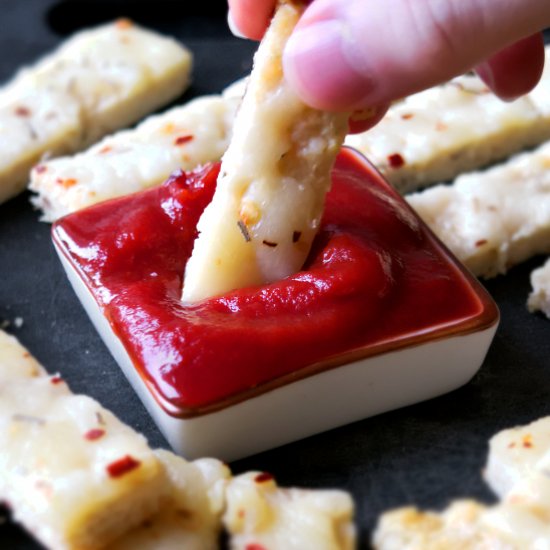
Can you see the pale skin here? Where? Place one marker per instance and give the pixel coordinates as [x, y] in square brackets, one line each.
[360, 54]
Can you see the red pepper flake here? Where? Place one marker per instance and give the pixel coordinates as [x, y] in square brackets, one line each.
[105, 149]
[396, 161]
[254, 546]
[296, 236]
[511, 445]
[481, 242]
[407, 116]
[56, 379]
[93, 434]
[527, 441]
[122, 466]
[181, 140]
[241, 513]
[68, 182]
[22, 111]
[269, 243]
[40, 168]
[244, 231]
[263, 477]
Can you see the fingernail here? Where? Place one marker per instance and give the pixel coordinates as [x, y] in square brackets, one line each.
[318, 63]
[233, 26]
[485, 72]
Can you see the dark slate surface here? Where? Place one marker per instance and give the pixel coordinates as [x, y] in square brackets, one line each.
[425, 454]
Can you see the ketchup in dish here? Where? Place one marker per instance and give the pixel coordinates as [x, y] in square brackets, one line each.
[375, 280]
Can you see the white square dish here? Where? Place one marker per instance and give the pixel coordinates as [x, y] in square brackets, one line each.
[407, 328]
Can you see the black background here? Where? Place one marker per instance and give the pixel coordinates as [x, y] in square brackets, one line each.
[426, 454]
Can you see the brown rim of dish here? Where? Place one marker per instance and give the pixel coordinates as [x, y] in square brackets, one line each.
[487, 316]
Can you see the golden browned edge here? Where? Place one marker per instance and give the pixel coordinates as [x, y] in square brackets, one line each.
[487, 317]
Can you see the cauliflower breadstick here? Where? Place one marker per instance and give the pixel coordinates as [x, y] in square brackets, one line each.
[517, 470]
[70, 471]
[190, 515]
[436, 134]
[98, 81]
[132, 160]
[539, 299]
[495, 219]
[273, 180]
[261, 515]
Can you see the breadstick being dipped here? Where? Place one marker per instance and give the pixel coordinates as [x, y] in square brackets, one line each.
[274, 176]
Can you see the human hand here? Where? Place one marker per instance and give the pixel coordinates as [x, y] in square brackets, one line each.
[359, 54]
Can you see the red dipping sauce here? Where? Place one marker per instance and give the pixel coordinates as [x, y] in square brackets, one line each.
[376, 280]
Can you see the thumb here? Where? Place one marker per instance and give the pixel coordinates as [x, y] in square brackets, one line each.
[351, 54]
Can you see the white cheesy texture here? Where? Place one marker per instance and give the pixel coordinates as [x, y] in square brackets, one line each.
[539, 298]
[190, 515]
[71, 473]
[515, 453]
[78, 479]
[517, 470]
[132, 160]
[273, 180]
[30, 125]
[495, 219]
[261, 515]
[98, 81]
